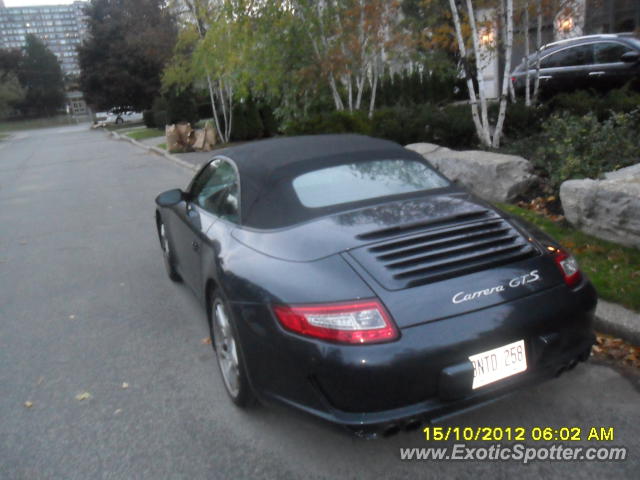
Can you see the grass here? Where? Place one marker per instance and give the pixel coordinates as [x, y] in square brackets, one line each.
[613, 269]
[15, 125]
[3, 136]
[163, 146]
[141, 134]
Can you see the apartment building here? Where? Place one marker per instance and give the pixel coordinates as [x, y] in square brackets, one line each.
[61, 27]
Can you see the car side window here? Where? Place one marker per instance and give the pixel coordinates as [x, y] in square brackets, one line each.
[609, 52]
[216, 190]
[569, 57]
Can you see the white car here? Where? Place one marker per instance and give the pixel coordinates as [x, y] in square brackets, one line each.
[127, 116]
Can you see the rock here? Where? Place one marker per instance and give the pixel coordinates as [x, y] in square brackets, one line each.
[628, 173]
[492, 176]
[607, 209]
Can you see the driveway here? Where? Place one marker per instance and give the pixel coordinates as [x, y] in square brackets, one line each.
[121, 384]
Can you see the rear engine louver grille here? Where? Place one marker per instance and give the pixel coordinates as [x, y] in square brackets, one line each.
[444, 252]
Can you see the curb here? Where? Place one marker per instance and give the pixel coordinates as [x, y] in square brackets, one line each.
[156, 150]
[610, 318]
[618, 321]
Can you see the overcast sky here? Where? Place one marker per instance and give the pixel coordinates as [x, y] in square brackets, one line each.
[28, 3]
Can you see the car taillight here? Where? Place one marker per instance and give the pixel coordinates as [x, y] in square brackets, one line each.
[359, 322]
[568, 267]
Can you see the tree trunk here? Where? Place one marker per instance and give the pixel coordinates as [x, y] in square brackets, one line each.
[470, 87]
[536, 87]
[508, 48]
[213, 106]
[527, 89]
[374, 87]
[486, 134]
[337, 99]
[230, 116]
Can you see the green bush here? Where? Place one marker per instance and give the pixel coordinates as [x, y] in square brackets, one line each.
[269, 120]
[173, 107]
[333, 122]
[147, 117]
[451, 126]
[582, 147]
[522, 121]
[247, 123]
[583, 102]
[159, 109]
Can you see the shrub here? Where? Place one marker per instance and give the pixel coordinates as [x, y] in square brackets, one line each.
[159, 109]
[450, 126]
[522, 121]
[247, 124]
[583, 102]
[269, 121]
[582, 147]
[333, 122]
[147, 117]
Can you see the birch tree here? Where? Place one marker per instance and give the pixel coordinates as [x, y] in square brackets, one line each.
[350, 39]
[488, 134]
[210, 48]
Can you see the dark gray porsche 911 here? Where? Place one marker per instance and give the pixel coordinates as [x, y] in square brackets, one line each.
[345, 277]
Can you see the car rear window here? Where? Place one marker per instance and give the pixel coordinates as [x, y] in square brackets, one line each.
[364, 180]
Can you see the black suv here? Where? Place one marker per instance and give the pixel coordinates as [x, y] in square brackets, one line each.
[599, 62]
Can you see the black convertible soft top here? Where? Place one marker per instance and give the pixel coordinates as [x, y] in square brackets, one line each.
[266, 168]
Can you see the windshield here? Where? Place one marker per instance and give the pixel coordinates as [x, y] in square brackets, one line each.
[360, 181]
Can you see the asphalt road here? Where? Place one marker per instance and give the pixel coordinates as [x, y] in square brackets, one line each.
[85, 306]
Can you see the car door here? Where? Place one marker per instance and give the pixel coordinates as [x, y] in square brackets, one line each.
[213, 195]
[566, 69]
[194, 218]
[609, 71]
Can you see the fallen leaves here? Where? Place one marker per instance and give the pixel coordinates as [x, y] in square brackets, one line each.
[615, 349]
[125, 385]
[28, 404]
[83, 396]
[545, 206]
[206, 341]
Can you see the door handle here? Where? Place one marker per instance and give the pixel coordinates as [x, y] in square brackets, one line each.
[596, 74]
[545, 77]
[196, 246]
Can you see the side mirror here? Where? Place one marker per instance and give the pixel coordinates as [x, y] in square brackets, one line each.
[630, 57]
[171, 198]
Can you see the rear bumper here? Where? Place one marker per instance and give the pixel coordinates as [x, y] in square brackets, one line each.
[410, 381]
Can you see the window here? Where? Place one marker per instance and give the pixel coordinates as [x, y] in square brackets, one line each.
[363, 181]
[216, 190]
[609, 52]
[569, 57]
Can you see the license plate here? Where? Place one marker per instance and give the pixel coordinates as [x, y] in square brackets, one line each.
[499, 363]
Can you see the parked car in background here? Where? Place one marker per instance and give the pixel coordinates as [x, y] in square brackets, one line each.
[123, 116]
[598, 62]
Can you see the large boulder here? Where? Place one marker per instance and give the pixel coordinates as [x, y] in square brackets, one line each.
[493, 176]
[608, 209]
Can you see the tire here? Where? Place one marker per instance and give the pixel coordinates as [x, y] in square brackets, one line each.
[119, 121]
[228, 353]
[167, 253]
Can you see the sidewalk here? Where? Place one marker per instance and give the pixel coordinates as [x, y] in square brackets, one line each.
[611, 318]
